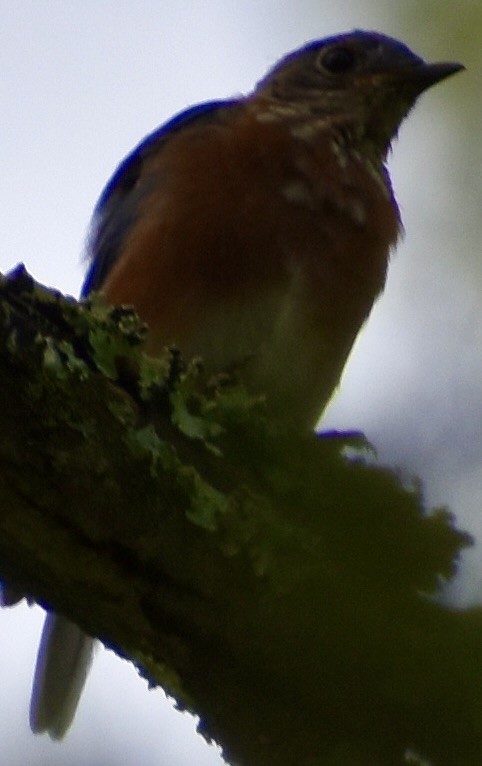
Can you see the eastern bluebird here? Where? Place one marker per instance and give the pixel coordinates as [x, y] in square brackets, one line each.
[254, 231]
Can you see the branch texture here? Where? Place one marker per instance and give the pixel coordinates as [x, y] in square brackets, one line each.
[278, 586]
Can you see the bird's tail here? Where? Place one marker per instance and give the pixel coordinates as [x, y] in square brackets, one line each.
[63, 662]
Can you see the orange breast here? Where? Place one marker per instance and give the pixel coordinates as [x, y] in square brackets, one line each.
[254, 242]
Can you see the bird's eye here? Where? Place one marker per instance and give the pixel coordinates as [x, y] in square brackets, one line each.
[337, 60]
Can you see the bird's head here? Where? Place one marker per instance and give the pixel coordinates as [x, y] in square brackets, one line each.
[364, 83]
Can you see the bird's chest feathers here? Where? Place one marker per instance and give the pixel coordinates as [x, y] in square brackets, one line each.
[278, 252]
[273, 196]
[302, 217]
[336, 206]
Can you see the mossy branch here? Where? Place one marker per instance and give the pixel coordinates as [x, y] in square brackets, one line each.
[270, 583]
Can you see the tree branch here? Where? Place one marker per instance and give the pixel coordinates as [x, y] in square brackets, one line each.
[270, 584]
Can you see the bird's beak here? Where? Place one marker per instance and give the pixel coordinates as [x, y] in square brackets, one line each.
[426, 75]
[412, 79]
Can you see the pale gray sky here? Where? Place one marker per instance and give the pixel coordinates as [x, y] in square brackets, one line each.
[81, 84]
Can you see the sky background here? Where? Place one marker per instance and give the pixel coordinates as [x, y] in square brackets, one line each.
[81, 84]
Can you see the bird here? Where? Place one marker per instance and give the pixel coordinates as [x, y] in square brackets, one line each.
[257, 231]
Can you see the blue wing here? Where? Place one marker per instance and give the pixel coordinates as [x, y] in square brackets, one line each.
[116, 209]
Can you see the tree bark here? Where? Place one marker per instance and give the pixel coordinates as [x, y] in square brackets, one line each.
[273, 584]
